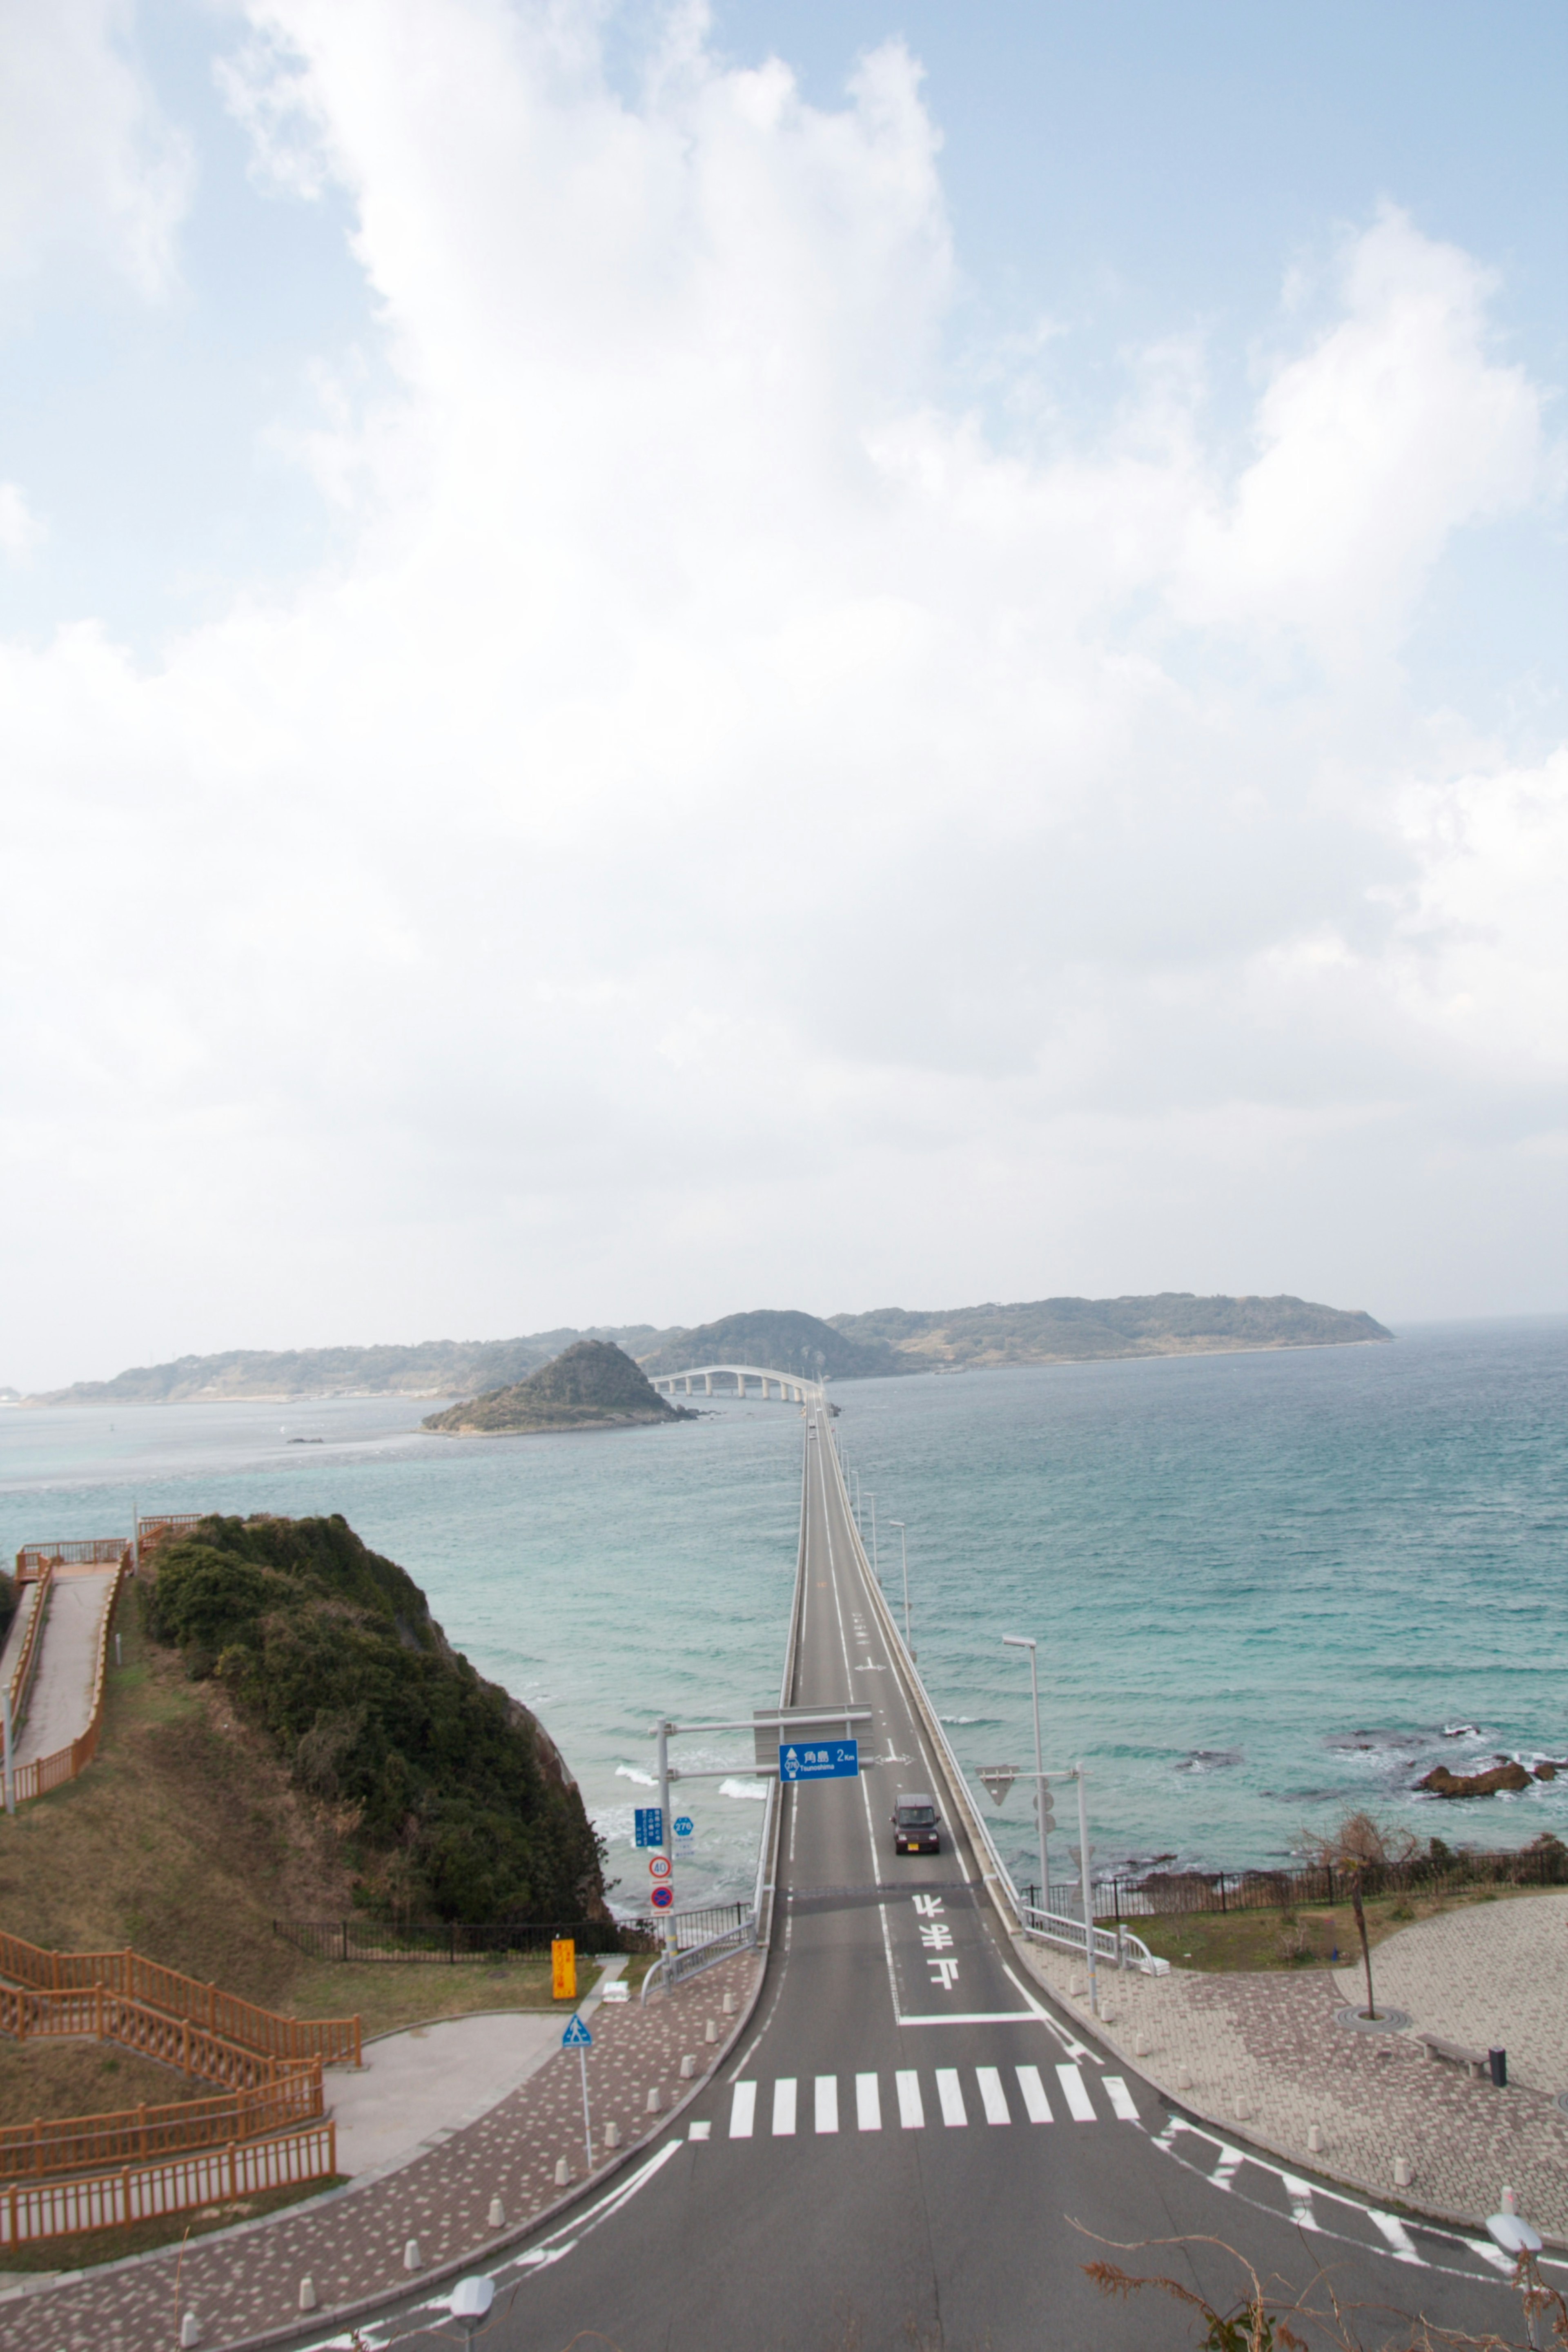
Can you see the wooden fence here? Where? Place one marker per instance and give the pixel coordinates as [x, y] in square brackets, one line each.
[133, 2135]
[26, 1663]
[111, 2200]
[47, 1773]
[174, 1523]
[72, 1551]
[144, 1984]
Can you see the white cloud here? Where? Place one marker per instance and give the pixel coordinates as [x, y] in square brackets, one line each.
[727, 830]
[20, 529]
[87, 159]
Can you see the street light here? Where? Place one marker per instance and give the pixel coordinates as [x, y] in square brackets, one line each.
[904, 1540]
[1023, 1642]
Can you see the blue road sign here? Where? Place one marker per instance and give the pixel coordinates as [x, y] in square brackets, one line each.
[648, 1822]
[577, 2036]
[684, 1825]
[820, 1760]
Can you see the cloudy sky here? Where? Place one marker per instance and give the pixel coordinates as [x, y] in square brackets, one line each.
[654, 661]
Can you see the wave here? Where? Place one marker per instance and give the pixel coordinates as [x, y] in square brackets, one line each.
[1210, 1759]
[754, 1789]
[631, 1773]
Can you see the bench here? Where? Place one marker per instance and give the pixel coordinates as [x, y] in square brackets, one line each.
[1478, 2063]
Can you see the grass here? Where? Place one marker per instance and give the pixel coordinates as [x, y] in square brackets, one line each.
[1249, 1940]
[87, 2248]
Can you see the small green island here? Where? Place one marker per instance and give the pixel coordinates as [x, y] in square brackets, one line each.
[593, 1385]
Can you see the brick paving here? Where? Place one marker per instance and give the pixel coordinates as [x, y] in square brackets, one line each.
[244, 2283]
[1259, 2056]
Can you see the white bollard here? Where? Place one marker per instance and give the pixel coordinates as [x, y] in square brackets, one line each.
[1243, 2111]
[495, 2218]
[711, 2031]
[307, 2295]
[688, 2069]
[190, 2332]
[562, 2172]
[1184, 2079]
[656, 2100]
[1509, 2201]
[412, 2258]
[728, 2004]
[1314, 2140]
[1402, 2175]
[1141, 2046]
[612, 2134]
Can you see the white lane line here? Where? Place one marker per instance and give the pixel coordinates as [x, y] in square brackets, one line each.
[1036, 2106]
[1299, 2192]
[1069, 2041]
[867, 2103]
[828, 2102]
[992, 2097]
[973, 2017]
[1121, 2098]
[744, 2111]
[700, 2131]
[1081, 2106]
[950, 2091]
[911, 2113]
[783, 2106]
[1398, 2237]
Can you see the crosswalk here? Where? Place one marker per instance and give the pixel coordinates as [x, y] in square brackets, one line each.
[955, 2097]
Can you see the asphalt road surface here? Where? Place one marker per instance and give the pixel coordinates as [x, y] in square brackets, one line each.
[910, 2149]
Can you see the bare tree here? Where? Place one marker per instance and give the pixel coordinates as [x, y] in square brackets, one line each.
[1358, 1844]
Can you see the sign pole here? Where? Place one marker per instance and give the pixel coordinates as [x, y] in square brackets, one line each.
[587, 2126]
[663, 1768]
[1088, 1899]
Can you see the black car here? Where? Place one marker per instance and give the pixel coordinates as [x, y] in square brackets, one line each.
[916, 1826]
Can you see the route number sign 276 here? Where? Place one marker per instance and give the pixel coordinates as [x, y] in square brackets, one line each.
[829, 1760]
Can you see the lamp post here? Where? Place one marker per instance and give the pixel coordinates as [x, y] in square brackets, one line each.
[1023, 1642]
[904, 1541]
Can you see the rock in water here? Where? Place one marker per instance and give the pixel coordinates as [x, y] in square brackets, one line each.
[1441, 1782]
[592, 1385]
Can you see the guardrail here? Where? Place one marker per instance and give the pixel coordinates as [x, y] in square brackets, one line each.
[113, 2201]
[70, 1551]
[133, 2135]
[147, 1984]
[1117, 1946]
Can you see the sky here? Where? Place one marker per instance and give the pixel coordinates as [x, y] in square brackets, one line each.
[659, 660]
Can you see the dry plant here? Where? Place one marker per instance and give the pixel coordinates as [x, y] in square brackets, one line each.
[1263, 2321]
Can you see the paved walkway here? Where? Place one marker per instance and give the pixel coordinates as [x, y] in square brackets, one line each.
[60, 1707]
[244, 2283]
[1261, 2057]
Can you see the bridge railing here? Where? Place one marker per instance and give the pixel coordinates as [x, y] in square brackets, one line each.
[1117, 1946]
[70, 1551]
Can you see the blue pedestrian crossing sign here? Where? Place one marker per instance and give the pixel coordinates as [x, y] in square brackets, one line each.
[684, 1825]
[577, 2036]
[648, 1824]
[820, 1760]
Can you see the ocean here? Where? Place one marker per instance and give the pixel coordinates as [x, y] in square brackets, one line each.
[1268, 1589]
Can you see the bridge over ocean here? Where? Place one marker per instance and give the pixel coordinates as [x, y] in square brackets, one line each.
[793, 1388]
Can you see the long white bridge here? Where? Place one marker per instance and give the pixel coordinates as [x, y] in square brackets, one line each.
[791, 1388]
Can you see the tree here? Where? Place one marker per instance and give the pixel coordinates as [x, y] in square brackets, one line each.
[1358, 1844]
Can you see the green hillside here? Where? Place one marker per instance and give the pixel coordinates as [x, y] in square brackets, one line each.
[1067, 1330]
[590, 1386]
[452, 1799]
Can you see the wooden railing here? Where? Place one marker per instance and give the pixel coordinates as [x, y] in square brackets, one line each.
[111, 2200]
[133, 2135]
[172, 1523]
[146, 1984]
[72, 1551]
[28, 1657]
[47, 1773]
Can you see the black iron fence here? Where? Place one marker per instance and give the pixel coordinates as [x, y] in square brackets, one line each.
[455, 1940]
[1157, 1894]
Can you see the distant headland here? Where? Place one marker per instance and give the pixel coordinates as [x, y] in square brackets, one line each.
[889, 1340]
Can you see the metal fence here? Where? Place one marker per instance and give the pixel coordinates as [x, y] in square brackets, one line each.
[1166, 1894]
[454, 1940]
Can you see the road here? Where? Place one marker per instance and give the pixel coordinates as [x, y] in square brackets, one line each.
[910, 2149]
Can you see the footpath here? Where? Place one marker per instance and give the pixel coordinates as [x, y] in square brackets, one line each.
[243, 2284]
[60, 1707]
[1265, 2059]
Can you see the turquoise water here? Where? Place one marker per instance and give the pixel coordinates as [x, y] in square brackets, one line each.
[1266, 1586]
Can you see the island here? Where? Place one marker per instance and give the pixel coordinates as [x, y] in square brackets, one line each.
[593, 1385]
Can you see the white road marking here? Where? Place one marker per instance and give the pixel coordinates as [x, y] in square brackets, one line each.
[1079, 2105]
[992, 2097]
[911, 2112]
[700, 2131]
[1299, 2192]
[1121, 2098]
[744, 2111]
[828, 2102]
[867, 2103]
[1036, 2106]
[1398, 2237]
[783, 2106]
[950, 2091]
